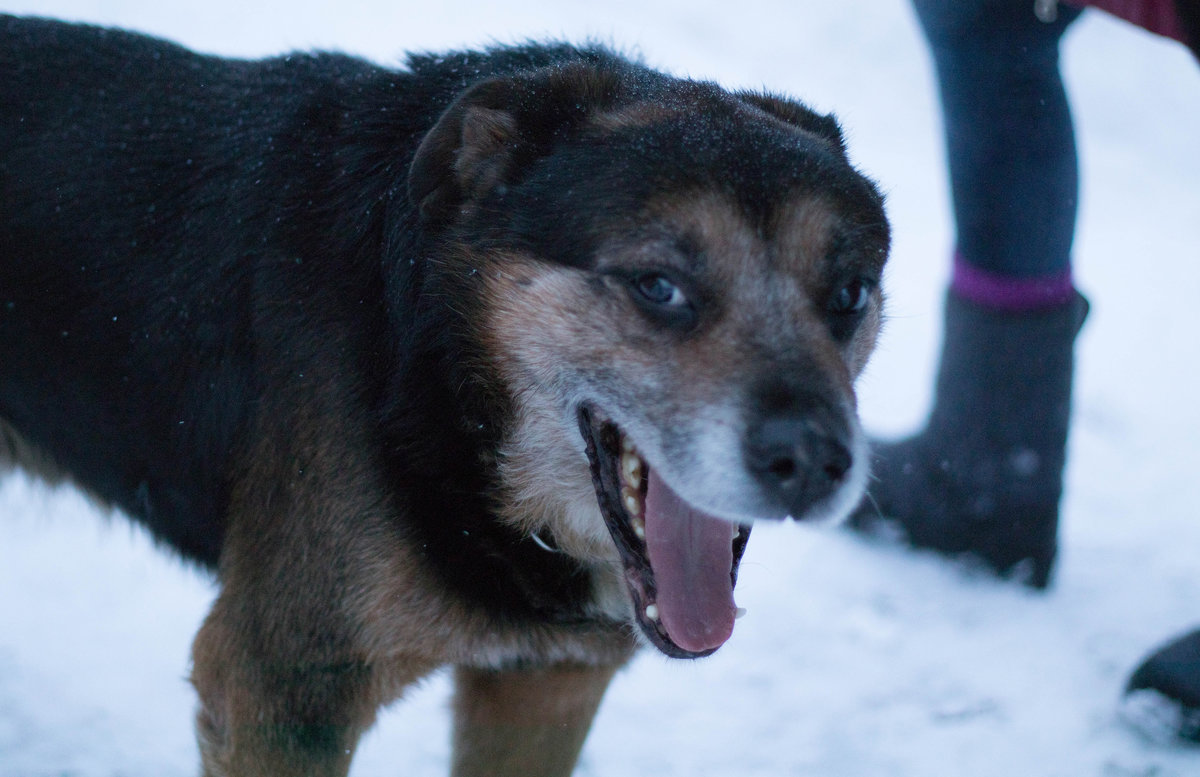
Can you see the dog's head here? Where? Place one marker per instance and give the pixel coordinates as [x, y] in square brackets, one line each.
[676, 286]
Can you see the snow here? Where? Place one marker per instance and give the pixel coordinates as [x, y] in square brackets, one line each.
[855, 658]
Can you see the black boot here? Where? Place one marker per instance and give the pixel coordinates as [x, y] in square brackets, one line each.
[985, 476]
[1162, 698]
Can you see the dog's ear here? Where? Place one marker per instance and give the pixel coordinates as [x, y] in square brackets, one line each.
[820, 124]
[497, 128]
[466, 152]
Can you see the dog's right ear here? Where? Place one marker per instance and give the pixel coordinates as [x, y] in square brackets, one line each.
[468, 152]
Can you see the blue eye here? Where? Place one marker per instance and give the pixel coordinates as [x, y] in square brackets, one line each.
[657, 289]
[851, 298]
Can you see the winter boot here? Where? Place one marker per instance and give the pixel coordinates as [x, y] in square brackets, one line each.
[985, 476]
[1162, 698]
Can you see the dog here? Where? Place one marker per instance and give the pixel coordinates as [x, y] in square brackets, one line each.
[489, 362]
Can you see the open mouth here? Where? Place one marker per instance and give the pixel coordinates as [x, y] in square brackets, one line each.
[680, 564]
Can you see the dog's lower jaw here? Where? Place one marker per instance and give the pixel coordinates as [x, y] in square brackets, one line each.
[693, 614]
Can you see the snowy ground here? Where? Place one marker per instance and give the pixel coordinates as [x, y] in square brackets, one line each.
[855, 659]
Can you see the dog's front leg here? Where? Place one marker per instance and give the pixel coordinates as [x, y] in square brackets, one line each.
[273, 715]
[524, 722]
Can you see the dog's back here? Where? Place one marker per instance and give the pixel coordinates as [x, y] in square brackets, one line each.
[83, 137]
[125, 310]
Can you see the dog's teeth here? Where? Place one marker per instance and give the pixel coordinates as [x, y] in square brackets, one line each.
[739, 613]
[639, 528]
[627, 445]
[736, 529]
[652, 612]
[631, 468]
[632, 505]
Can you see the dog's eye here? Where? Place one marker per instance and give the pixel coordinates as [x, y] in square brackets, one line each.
[662, 299]
[851, 298]
[657, 289]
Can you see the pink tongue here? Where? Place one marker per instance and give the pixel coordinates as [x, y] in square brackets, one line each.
[691, 555]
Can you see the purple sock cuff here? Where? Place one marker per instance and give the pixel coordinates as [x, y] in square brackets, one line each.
[1005, 292]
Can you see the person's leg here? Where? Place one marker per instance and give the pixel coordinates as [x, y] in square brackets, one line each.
[1010, 143]
[985, 475]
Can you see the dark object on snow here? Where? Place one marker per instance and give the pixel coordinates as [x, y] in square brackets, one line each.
[1162, 698]
[984, 477]
[482, 362]
[1189, 19]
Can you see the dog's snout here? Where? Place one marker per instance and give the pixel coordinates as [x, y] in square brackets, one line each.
[797, 461]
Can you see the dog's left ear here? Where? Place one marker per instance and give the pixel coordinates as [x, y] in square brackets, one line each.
[496, 129]
[820, 124]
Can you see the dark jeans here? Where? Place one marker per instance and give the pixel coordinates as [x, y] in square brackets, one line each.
[1009, 138]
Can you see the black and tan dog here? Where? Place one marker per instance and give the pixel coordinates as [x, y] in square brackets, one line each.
[488, 362]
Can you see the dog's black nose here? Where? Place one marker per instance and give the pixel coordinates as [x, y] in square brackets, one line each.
[797, 460]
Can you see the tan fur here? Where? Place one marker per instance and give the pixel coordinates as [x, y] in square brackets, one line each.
[527, 722]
